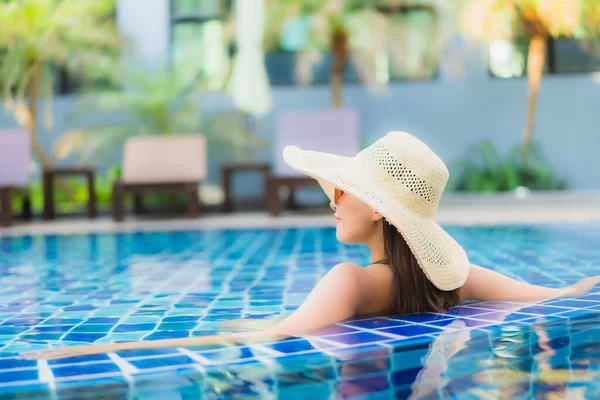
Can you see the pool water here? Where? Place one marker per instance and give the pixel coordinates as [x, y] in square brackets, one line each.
[58, 291]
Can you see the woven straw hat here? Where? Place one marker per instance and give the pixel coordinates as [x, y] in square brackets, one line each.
[402, 179]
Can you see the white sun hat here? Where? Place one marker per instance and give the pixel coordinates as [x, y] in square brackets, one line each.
[402, 179]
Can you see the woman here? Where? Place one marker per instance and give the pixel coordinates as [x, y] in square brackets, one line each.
[385, 198]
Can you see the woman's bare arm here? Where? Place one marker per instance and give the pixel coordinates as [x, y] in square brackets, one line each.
[346, 290]
[339, 295]
[485, 284]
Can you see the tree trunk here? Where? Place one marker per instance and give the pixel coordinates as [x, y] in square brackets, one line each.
[33, 90]
[535, 68]
[339, 50]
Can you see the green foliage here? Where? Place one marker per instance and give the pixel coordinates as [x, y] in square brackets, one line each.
[72, 195]
[231, 133]
[490, 20]
[482, 170]
[535, 20]
[36, 36]
[420, 33]
[75, 201]
[158, 103]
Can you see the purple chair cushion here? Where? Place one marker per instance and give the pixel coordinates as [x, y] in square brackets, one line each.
[14, 158]
[333, 131]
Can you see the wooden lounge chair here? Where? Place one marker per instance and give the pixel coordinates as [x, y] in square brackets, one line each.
[173, 164]
[14, 172]
[333, 130]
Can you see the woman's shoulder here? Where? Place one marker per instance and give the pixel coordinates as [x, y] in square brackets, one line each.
[347, 266]
[467, 289]
[371, 271]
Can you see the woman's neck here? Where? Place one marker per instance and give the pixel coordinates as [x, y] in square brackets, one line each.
[376, 247]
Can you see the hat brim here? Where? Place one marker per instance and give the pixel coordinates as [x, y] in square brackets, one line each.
[441, 258]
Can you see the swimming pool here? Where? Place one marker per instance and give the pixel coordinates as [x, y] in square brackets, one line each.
[70, 290]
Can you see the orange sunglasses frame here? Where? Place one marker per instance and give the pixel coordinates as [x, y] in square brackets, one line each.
[337, 194]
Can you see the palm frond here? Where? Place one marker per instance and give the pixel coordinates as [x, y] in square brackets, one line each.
[375, 39]
[37, 36]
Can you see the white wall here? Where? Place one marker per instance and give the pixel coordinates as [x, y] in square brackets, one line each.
[145, 24]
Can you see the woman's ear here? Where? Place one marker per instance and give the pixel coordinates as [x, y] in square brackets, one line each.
[376, 216]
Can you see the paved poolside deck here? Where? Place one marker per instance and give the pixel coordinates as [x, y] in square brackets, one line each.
[455, 209]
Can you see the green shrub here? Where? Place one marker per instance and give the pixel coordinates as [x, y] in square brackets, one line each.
[482, 170]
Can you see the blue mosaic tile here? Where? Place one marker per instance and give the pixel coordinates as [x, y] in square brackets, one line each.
[230, 353]
[410, 330]
[376, 323]
[41, 336]
[468, 323]
[358, 338]
[12, 363]
[501, 316]
[364, 351]
[571, 303]
[177, 326]
[11, 330]
[100, 320]
[543, 310]
[591, 297]
[87, 369]
[467, 311]
[405, 377]
[63, 321]
[80, 359]
[80, 308]
[167, 335]
[333, 330]
[134, 327]
[157, 285]
[83, 337]
[148, 352]
[52, 328]
[295, 346]
[158, 362]
[373, 385]
[423, 317]
[20, 375]
[93, 328]
[22, 322]
[183, 318]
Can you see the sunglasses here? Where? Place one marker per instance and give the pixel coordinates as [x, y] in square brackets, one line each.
[337, 194]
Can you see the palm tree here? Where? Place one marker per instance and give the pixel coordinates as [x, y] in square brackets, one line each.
[491, 20]
[39, 36]
[163, 102]
[365, 32]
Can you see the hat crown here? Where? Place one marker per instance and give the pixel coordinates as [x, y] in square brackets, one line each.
[409, 170]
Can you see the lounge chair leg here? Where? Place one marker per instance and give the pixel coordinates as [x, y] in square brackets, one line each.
[92, 211]
[193, 201]
[292, 203]
[117, 203]
[48, 183]
[138, 204]
[227, 205]
[273, 202]
[26, 212]
[5, 206]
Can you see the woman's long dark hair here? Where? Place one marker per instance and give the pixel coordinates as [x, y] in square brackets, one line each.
[412, 291]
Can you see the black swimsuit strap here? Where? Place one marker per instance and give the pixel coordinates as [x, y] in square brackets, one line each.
[380, 262]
